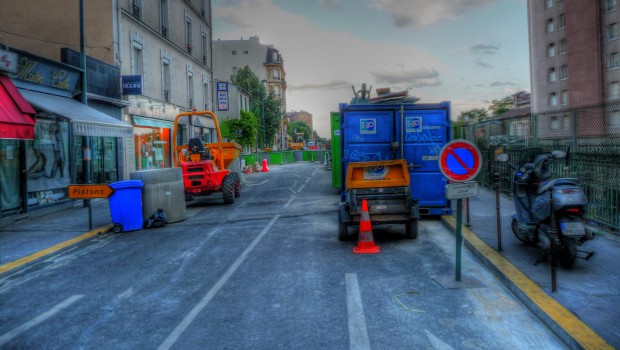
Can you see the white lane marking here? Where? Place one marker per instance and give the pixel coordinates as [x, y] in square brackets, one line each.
[358, 335]
[289, 202]
[39, 319]
[301, 188]
[189, 318]
[258, 184]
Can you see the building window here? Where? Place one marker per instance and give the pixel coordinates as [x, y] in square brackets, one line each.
[548, 4]
[614, 119]
[564, 97]
[563, 72]
[276, 91]
[164, 17]
[188, 34]
[136, 8]
[561, 21]
[566, 121]
[551, 50]
[550, 27]
[234, 52]
[275, 74]
[553, 99]
[205, 48]
[614, 60]
[612, 31]
[614, 89]
[137, 59]
[552, 75]
[205, 94]
[612, 5]
[562, 47]
[190, 90]
[555, 123]
[166, 80]
[205, 8]
[245, 52]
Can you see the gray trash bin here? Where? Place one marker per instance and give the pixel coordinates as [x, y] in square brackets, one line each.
[163, 188]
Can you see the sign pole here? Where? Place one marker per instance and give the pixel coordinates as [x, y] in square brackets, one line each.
[459, 238]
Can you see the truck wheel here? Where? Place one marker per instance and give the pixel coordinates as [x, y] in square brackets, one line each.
[228, 189]
[343, 230]
[412, 228]
[237, 184]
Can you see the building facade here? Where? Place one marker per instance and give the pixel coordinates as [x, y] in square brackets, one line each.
[575, 63]
[301, 116]
[264, 60]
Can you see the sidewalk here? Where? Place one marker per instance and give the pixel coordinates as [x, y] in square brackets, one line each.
[50, 233]
[588, 293]
[589, 290]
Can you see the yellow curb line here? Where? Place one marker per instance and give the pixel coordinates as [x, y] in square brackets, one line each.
[30, 258]
[573, 326]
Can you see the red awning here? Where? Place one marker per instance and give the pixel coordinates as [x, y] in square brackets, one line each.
[16, 121]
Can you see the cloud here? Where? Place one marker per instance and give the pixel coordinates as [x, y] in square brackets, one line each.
[484, 64]
[332, 85]
[501, 83]
[329, 4]
[415, 14]
[320, 77]
[484, 49]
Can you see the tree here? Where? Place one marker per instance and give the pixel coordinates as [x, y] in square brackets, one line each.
[299, 127]
[500, 106]
[243, 131]
[264, 106]
[476, 115]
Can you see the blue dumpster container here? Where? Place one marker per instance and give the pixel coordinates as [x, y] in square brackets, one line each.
[126, 205]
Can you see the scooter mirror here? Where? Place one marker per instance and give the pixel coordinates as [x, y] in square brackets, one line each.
[502, 157]
[558, 154]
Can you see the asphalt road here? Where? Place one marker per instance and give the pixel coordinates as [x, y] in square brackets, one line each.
[266, 272]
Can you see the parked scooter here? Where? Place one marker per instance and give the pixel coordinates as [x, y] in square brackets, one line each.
[532, 187]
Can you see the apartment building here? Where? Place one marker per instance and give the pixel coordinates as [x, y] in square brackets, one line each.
[575, 63]
[300, 116]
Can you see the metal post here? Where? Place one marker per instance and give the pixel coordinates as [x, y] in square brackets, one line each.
[553, 241]
[467, 212]
[497, 211]
[84, 100]
[459, 238]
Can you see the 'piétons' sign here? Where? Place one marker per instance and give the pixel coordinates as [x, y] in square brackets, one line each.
[90, 191]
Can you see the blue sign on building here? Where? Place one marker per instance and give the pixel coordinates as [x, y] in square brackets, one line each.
[131, 84]
[222, 96]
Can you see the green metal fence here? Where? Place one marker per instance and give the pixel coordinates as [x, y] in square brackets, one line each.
[591, 135]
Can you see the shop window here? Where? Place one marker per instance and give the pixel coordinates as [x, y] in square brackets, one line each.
[103, 159]
[47, 163]
[10, 176]
[152, 148]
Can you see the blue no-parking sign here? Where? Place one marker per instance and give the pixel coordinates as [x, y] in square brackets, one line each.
[459, 161]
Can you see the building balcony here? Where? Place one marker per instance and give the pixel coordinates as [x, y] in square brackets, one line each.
[135, 11]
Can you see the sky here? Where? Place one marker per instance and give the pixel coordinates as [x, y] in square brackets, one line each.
[468, 52]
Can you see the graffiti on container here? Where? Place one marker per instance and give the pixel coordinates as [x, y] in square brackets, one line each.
[357, 138]
[423, 136]
[357, 156]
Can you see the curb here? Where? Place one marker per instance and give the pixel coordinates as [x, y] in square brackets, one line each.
[19, 264]
[564, 324]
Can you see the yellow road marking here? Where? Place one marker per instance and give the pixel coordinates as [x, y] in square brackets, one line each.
[578, 330]
[30, 258]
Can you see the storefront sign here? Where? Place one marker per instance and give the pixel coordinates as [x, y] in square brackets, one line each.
[40, 71]
[8, 61]
[131, 84]
[222, 96]
[90, 191]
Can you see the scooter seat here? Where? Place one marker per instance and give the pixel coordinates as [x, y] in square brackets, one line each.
[545, 186]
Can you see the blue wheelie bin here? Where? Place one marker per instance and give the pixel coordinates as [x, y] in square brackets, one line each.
[126, 205]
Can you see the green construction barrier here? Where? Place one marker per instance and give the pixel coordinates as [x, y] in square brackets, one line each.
[336, 156]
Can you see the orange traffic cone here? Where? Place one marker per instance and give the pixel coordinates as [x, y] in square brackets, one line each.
[365, 240]
[265, 168]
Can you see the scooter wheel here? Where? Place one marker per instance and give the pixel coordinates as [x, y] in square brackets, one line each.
[514, 225]
[568, 254]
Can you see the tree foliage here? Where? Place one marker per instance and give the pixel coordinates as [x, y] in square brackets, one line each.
[266, 107]
[475, 115]
[297, 127]
[243, 131]
[500, 106]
